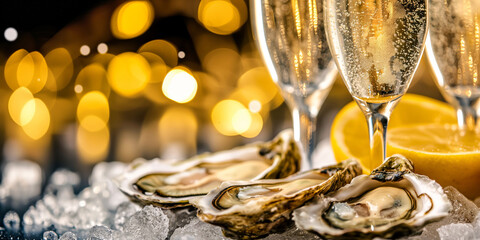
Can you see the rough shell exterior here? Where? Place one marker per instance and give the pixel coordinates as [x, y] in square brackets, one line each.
[281, 153]
[265, 214]
[431, 203]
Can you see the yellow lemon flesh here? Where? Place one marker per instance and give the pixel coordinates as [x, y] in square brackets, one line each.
[441, 152]
[422, 129]
[349, 134]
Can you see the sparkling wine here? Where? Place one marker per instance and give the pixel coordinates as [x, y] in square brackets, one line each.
[290, 36]
[292, 41]
[377, 43]
[453, 49]
[455, 41]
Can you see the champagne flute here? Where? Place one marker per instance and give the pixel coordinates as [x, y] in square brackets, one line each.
[291, 39]
[377, 45]
[453, 50]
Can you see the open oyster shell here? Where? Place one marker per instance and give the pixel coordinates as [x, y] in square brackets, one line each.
[390, 202]
[174, 185]
[249, 209]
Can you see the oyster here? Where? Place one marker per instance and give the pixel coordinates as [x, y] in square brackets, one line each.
[173, 185]
[390, 202]
[249, 209]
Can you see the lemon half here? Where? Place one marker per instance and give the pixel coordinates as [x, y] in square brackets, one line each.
[422, 129]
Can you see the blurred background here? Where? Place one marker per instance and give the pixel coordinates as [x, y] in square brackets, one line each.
[83, 82]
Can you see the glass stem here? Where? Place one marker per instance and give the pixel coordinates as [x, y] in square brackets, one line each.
[377, 131]
[304, 125]
[467, 115]
[377, 114]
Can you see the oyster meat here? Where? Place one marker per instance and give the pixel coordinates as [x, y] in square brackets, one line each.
[390, 202]
[174, 185]
[250, 209]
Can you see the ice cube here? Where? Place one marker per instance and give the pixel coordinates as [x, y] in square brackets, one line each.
[106, 170]
[102, 184]
[65, 194]
[119, 235]
[36, 218]
[11, 221]
[179, 218]
[90, 212]
[123, 212]
[323, 154]
[100, 232]
[50, 235]
[68, 236]
[149, 223]
[21, 181]
[42, 214]
[293, 232]
[51, 204]
[62, 177]
[456, 231]
[197, 229]
[464, 210]
[476, 226]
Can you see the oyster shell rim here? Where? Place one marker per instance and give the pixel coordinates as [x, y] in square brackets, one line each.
[422, 186]
[142, 167]
[273, 217]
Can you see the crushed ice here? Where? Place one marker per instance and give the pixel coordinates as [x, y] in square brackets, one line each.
[101, 211]
[21, 183]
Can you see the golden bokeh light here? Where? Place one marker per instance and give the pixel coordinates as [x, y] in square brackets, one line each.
[164, 49]
[151, 91]
[128, 74]
[24, 69]
[181, 54]
[255, 127]
[230, 117]
[93, 111]
[103, 59]
[178, 127]
[84, 50]
[60, 64]
[78, 88]
[223, 63]
[93, 146]
[11, 67]
[241, 120]
[27, 113]
[222, 16]
[93, 77]
[248, 94]
[179, 85]
[159, 72]
[37, 118]
[131, 19]
[152, 58]
[260, 79]
[92, 123]
[10, 34]
[16, 103]
[255, 106]
[102, 48]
